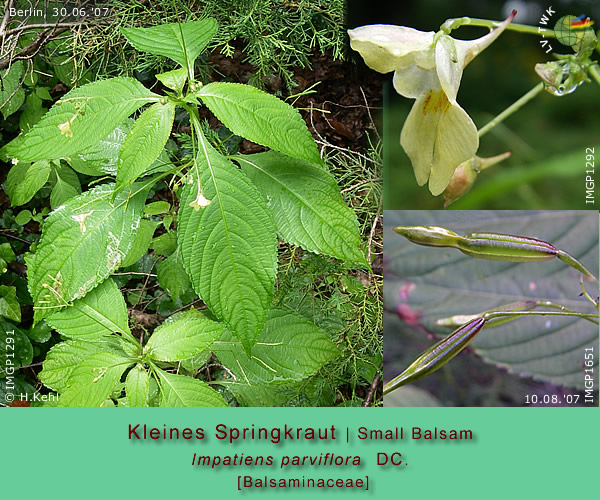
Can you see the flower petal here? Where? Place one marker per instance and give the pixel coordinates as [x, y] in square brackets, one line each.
[437, 137]
[449, 65]
[385, 47]
[413, 81]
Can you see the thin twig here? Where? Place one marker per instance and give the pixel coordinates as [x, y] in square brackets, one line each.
[369, 113]
[31, 365]
[184, 307]
[24, 27]
[4, 232]
[371, 236]
[144, 285]
[135, 274]
[5, 18]
[373, 388]
[367, 181]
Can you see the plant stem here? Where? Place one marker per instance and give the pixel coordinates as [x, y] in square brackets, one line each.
[511, 109]
[498, 319]
[587, 295]
[594, 72]
[493, 315]
[455, 23]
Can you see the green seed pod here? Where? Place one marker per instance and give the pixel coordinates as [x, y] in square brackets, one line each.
[461, 319]
[494, 246]
[437, 355]
[491, 246]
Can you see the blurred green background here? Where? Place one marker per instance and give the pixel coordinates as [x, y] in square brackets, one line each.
[548, 136]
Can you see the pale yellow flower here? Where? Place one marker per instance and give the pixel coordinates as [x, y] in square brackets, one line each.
[201, 201]
[438, 134]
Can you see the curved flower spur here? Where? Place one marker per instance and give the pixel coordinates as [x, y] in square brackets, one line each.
[438, 134]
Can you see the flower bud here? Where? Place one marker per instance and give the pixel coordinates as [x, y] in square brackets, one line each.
[561, 77]
[465, 175]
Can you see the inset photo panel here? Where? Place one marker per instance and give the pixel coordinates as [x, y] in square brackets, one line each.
[491, 308]
[489, 105]
[190, 206]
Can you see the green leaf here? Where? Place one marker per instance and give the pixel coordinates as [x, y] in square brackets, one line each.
[7, 253]
[9, 305]
[101, 157]
[267, 395]
[25, 179]
[67, 186]
[94, 379]
[32, 113]
[137, 386]
[12, 95]
[144, 143]
[306, 205]
[176, 41]
[261, 118]
[172, 276]
[69, 71]
[157, 208]
[81, 118]
[427, 284]
[23, 217]
[62, 359]
[142, 241]
[179, 390]
[289, 348]
[193, 364]
[162, 164]
[174, 80]
[165, 244]
[99, 313]
[229, 247]
[183, 338]
[43, 93]
[82, 243]
[15, 348]
[40, 332]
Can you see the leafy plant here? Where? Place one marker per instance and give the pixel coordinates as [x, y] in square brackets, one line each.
[540, 327]
[225, 243]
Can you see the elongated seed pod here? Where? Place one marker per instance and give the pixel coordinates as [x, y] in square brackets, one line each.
[495, 246]
[437, 355]
[491, 246]
[461, 319]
